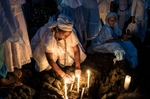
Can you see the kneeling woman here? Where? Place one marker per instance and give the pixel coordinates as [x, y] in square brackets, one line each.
[56, 41]
[111, 40]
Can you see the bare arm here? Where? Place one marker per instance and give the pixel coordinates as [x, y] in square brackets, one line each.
[114, 40]
[77, 56]
[54, 65]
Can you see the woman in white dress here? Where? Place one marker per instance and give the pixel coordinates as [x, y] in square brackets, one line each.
[55, 46]
[104, 8]
[8, 28]
[139, 13]
[16, 55]
[123, 12]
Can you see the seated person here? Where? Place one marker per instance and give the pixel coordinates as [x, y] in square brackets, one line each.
[56, 41]
[111, 40]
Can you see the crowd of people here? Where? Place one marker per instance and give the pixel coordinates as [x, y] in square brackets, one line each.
[66, 31]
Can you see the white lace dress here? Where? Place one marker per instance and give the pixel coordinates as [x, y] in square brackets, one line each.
[44, 41]
[16, 55]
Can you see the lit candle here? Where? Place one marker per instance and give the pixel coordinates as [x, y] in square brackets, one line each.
[114, 60]
[72, 83]
[88, 81]
[65, 88]
[82, 93]
[127, 82]
[78, 83]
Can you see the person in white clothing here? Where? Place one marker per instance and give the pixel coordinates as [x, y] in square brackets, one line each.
[123, 12]
[139, 13]
[104, 9]
[55, 46]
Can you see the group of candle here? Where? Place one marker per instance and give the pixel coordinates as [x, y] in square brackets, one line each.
[78, 85]
[126, 84]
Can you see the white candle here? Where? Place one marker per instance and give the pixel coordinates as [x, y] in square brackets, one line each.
[127, 82]
[78, 83]
[65, 88]
[88, 81]
[82, 93]
[114, 60]
[72, 83]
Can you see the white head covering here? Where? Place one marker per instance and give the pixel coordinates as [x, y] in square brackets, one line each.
[116, 27]
[65, 23]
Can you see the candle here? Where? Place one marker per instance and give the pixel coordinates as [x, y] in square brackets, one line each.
[88, 81]
[72, 83]
[114, 60]
[65, 88]
[127, 82]
[78, 83]
[82, 93]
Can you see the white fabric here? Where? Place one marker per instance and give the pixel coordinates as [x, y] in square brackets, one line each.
[123, 13]
[139, 10]
[133, 27]
[64, 22]
[8, 24]
[123, 7]
[103, 17]
[104, 6]
[72, 3]
[16, 55]
[44, 41]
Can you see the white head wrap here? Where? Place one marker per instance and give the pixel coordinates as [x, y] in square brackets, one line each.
[65, 23]
[116, 27]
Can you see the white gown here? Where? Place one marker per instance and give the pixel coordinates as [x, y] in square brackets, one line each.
[16, 55]
[44, 41]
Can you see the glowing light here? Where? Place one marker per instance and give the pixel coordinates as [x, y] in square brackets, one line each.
[127, 82]
[88, 81]
[65, 88]
[78, 83]
[114, 60]
[82, 93]
[72, 83]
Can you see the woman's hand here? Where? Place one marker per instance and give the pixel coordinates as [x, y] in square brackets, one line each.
[126, 37]
[77, 72]
[68, 79]
[133, 19]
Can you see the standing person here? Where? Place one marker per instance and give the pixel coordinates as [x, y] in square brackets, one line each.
[123, 13]
[104, 8]
[74, 9]
[92, 18]
[8, 28]
[110, 40]
[139, 13]
[55, 46]
[16, 55]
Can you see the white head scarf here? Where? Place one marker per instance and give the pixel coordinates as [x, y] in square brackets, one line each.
[116, 27]
[65, 23]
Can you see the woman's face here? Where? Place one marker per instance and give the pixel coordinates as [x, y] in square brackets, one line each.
[63, 35]
[111, 21]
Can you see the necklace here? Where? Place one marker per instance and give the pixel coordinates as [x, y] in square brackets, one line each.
[65, 52]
